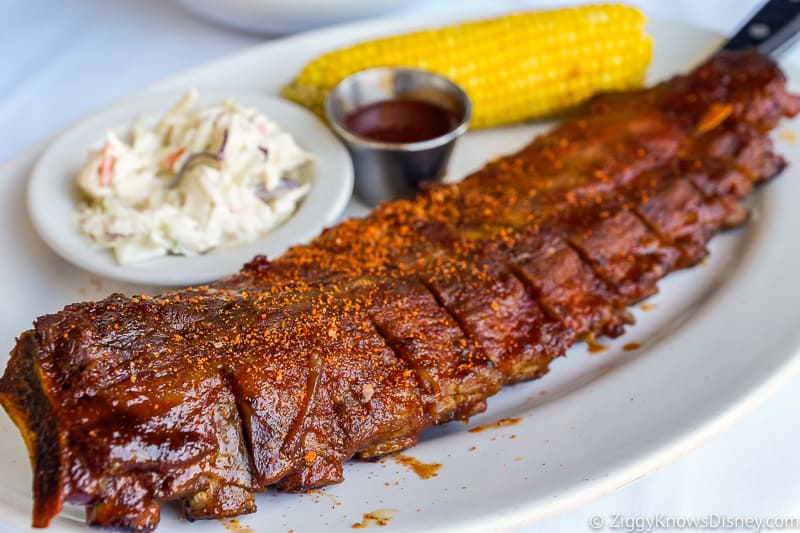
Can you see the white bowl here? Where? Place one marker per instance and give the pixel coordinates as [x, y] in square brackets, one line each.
[52, 198]
[281, 16]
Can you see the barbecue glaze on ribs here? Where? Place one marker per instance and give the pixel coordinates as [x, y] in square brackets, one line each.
[384, 326]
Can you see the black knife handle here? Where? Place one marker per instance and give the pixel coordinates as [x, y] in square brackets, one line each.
[772, 29]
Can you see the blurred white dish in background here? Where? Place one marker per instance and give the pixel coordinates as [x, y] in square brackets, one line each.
[281, 16]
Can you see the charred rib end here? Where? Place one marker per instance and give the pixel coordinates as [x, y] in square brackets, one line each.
[22, 395]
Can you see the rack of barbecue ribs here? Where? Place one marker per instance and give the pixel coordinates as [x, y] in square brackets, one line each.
[387, 325]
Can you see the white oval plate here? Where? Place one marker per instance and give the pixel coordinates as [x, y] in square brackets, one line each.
[720, 339]
[53, 201]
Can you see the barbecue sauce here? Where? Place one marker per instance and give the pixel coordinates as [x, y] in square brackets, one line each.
[379, 517]
[400, 120]
[503, 422]
[423, 470]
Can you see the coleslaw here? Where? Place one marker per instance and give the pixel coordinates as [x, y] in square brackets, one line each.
[198, 180]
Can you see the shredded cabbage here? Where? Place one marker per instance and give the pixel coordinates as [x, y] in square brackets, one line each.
[199, 180]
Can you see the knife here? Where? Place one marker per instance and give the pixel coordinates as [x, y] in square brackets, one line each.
[772, 30]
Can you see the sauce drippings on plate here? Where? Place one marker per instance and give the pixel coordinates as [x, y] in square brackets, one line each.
[503, 422]
[400, 120]
[234, 526]
[423, 470]
[378, 517]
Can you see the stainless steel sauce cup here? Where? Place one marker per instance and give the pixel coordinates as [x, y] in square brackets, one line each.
[388, 170]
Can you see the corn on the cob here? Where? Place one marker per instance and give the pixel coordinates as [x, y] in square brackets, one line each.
[515, 67]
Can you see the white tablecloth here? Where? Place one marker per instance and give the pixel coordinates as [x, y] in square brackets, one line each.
[64, 59]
